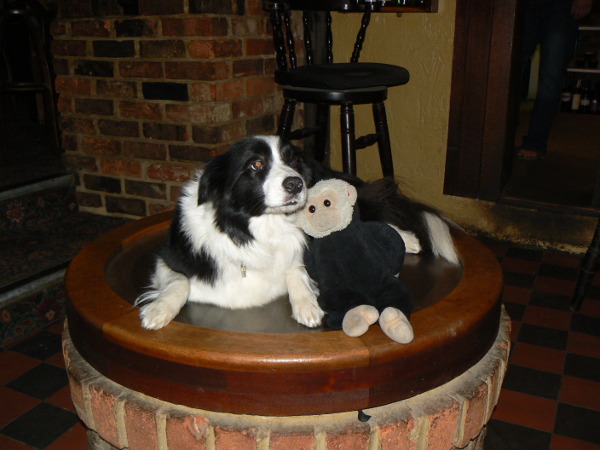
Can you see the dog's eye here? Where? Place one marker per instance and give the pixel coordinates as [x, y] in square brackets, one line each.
[312, 209]
[294, 163]
[327, 203]
[258, 165]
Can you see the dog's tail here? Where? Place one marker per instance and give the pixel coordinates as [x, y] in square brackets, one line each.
[383, 201]
[440, 239]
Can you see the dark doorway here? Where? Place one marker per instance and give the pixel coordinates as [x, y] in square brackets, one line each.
[486, 115]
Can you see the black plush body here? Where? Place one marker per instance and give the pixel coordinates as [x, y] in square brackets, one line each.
[357, 266]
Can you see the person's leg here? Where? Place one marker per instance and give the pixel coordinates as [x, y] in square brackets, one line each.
[557, 45]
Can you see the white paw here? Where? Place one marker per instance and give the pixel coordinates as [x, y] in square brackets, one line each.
[307, 312]
[396, 326]
[358, 320]
[156, 315]
[411, 242]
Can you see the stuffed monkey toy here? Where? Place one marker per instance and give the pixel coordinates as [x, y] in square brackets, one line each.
[355, 264]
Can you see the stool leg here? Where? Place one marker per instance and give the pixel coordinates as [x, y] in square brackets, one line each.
[322, 133]
[286, 118]
[348, 137]
[383, 140]
[587, 270]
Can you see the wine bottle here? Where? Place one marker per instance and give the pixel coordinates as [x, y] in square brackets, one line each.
[576, 100]
[584, 104]
[566, 97]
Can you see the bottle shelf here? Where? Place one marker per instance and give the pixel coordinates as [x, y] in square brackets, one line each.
[583, 70]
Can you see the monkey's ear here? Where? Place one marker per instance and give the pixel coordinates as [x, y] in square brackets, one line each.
[352, 194]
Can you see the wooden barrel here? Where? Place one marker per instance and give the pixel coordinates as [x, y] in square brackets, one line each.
[260, 361]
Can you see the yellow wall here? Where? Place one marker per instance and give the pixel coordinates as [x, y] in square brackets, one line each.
[418, 119]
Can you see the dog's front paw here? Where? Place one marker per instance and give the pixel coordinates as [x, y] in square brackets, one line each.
[156, 315]
[308, 312]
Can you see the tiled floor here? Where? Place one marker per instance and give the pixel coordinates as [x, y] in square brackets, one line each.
[550, 398]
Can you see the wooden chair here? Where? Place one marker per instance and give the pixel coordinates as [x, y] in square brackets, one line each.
[327, 83]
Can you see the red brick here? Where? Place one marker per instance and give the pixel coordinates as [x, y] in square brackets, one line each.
[89, 200]
[115, 88]
[146, 69]
[260, 86]
[79, 126]
[396, 435]
[195, 26]
[349, 439]
[80, 163]
[74, 86]
[211, 48]
[198, 113]
[249, 107]
[254, 7]
[250, 26]
[255, 47]
[69, 48]
[226, 90]
[90, 28]
[162, 49]
[70, 142]
[94, 106]
[248, 68]
[474, 413]
[193, 153]
[141, 110]
[169, 172]
[64, 104]
[78, 399]
[443, 426]
[121, 167]
[118, 128]
[228, 132]
[58, 28]
[165, 131]
[187, 432]
[235, 439]
[297, 441]
[144, 150]
[94, 146]
[103, 404]
[156, 208]
[140, 422]
[197, 70]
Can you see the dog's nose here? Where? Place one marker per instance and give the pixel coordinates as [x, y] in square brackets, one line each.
[293, 185]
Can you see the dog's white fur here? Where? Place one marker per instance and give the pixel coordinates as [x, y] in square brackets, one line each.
[250, 275]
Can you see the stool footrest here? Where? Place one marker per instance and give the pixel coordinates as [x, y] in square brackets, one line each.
[301, 133]
[366, 141]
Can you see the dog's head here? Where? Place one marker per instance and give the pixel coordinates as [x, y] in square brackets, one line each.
[258, 175]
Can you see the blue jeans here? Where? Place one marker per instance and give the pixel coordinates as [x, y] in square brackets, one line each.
[550, 24]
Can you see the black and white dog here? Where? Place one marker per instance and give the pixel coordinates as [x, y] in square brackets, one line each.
[233, 244]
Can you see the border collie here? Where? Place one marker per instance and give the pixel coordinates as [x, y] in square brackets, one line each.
[233, 244]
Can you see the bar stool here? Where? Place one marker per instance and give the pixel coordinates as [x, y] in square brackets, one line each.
[40, 83]
[331, 83]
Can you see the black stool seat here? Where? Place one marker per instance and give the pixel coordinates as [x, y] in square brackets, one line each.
[325, 82]
[341, 76]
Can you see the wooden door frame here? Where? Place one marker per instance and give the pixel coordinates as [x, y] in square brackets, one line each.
[483, 100]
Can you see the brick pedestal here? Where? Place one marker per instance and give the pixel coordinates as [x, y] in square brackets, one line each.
[450, 416]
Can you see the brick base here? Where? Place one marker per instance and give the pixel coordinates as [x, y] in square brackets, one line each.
[450, 416]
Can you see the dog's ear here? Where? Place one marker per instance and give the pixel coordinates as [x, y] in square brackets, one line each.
[213, 179]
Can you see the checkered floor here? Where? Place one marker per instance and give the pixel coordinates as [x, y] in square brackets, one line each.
[550, 398]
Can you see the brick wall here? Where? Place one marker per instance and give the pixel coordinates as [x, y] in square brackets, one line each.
[144, 99]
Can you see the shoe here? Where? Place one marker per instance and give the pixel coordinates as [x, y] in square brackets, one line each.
[529, 154]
